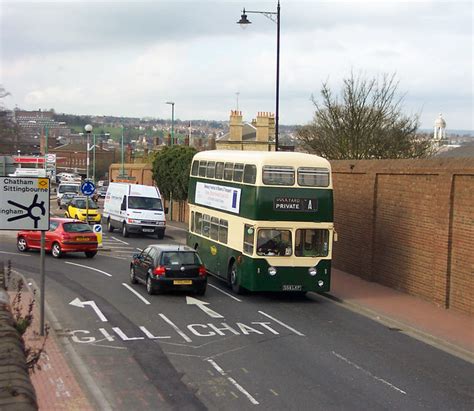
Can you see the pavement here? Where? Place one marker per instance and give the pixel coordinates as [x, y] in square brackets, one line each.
[58, 385]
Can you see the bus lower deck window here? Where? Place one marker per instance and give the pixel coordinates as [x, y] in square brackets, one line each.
[312, 243]
[272, 242]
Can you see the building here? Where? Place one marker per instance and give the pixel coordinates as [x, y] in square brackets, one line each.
[258, 135]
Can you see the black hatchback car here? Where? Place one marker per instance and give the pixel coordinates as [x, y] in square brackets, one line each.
[169, 267]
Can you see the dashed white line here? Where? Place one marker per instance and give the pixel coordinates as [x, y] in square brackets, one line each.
[120, 241]
[282, 324]
[233, 382]
[136, 293]
[90, 268]
[223, 292]
[358, 367]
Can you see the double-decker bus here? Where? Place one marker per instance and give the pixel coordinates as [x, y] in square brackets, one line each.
[263, 221]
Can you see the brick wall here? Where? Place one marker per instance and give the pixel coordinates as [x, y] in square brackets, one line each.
[408, 224]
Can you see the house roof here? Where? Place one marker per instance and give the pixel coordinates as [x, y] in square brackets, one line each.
[466, 150]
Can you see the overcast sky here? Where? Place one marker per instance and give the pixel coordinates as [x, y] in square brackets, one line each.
[127, 58]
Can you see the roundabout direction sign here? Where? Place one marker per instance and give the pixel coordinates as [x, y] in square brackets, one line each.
[88, 188]
[24, 203]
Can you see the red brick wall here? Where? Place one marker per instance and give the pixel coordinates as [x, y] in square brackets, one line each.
[408, 224]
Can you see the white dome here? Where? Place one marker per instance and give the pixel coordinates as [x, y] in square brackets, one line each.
[440, 123]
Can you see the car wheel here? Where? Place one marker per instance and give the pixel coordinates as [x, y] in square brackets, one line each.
[90, 254]
[110, 227]
[234, 279]
[149, 285]
[125, 232]
[133, 279]
[21, 244]
[56, 250]
[160, 235]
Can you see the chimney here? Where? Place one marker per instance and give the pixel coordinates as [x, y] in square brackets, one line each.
[262, 126]
[235, 126]
[271, 127]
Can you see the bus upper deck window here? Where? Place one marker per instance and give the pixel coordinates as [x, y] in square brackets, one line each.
[219, 170]
[279, 175]
[228, 171]
[238, 172]
[211, 169]
[195, 168]
[250, 173]
[313, 176]
[202, 168]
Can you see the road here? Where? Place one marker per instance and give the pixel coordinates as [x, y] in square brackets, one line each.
[258, 351]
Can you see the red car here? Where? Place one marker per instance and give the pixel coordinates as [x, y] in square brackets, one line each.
[65, 235]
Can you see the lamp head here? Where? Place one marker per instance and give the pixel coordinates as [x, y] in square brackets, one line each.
[88, 128]
[244, 20]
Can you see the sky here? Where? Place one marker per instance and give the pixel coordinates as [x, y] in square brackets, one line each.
[128, 58]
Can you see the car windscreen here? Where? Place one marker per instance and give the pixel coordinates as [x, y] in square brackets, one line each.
[82, 204]
[63, 188]
[145, 203]
[170, 258]
[77, 228]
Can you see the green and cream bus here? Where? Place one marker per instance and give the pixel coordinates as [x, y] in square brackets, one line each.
[263, 221]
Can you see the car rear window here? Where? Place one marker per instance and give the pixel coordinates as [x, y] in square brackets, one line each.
[170, 258]
[77, 228]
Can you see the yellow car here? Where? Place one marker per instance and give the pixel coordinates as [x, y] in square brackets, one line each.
[77, 208]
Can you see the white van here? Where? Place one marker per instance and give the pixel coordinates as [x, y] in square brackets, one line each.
[134, 208]
[67, 188]
[29, 172]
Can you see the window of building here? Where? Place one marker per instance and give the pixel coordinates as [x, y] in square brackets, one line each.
[278, 175]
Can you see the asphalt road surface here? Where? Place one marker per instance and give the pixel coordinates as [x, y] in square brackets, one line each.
[229, 352]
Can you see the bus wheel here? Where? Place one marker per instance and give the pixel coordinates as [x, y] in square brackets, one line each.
[234, 279]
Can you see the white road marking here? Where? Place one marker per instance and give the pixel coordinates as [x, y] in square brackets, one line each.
[136, 293]
[202, 305]
[233, 382]
[23, 254]
[120, 241]
[358, 367]
[78, 303]
[223, 292]
[176, 328]
[282, 324]
[90, 268]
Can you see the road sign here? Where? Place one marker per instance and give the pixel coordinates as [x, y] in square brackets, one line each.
[51, 158]
[24, 203]
[97, 228]
[87, 188]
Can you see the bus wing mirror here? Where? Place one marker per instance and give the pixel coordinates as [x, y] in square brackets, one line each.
[335, 236]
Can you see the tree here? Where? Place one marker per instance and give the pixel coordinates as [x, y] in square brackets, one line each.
[9, 131]
[171, 168]
[366, 122]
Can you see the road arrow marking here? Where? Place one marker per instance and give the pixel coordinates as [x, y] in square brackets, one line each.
[78, 303]
[202, 306]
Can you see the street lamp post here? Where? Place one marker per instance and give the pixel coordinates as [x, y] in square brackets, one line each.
[172, 120]
[88, 129]
[121, 154]
[270, 15]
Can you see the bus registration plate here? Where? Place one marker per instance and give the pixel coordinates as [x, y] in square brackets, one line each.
[292, 287]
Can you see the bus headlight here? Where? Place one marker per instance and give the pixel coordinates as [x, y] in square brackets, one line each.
[272, 271]
[312, 271]
[320, 283]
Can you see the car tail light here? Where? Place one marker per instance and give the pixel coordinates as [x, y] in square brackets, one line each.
[202, 271]
[159, 271]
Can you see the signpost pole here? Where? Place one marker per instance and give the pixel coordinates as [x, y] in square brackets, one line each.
[42, 284]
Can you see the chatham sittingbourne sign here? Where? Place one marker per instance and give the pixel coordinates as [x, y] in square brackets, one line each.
[24, 203]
